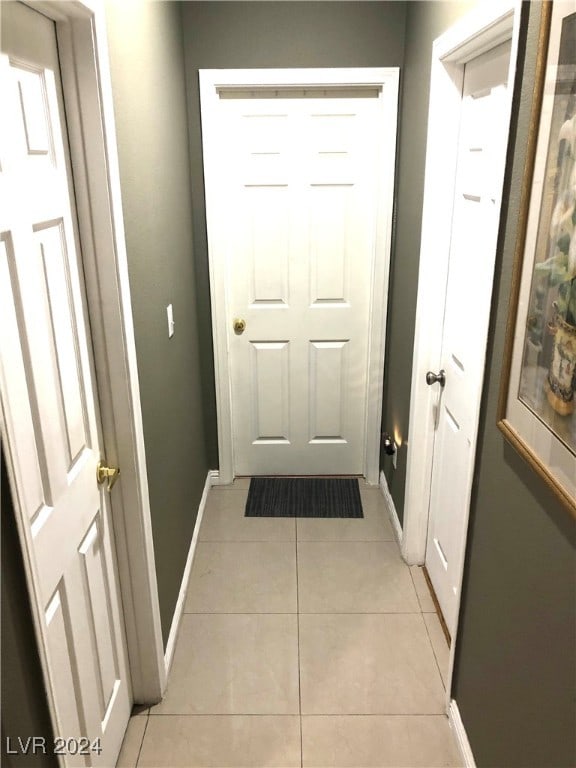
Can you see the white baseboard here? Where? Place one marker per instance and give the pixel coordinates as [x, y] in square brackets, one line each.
[216, 480]
[461, 736]
[391, 508]
[178, 610]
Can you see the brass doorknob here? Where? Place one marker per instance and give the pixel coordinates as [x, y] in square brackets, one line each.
[239, 325]
[104, 473]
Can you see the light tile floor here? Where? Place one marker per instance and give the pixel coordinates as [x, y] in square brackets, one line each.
[303, 643]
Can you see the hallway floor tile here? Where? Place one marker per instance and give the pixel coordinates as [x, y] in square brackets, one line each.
[376, 741]
[368, 664]
[243, 577]
[354, 577]
[227, 664]
[239, 741]
[224, 520]
[303, 643]
[374, 526]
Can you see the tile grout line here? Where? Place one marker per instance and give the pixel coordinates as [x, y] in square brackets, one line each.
[440, 714]
[298, 641]
[257, 715]
[306, 613]
[415, 589]
[142, 741]
[434, 653]
[245, 541]
[422, 613]
[302, 541]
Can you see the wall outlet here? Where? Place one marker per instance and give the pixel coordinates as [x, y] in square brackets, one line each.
[170, 314]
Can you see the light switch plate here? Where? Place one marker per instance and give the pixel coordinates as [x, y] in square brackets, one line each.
[170, 314]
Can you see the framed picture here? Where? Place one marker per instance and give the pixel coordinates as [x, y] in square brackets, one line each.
[538, 392]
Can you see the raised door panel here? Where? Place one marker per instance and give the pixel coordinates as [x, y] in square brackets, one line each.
[94, 568]
[340, 193]
[32, 137]
[265, 257]
[449, 497]
[43, 380]
[51, 252]
[64, 670]
[269, 378]
[36, 493]
[328, 389]
[329, 244]
[332, 138]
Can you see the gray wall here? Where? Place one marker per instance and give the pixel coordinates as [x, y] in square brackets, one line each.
[24, 705]
[147, 65]
[424, 23]
[516, 664]
[219, 35]
[516, 656]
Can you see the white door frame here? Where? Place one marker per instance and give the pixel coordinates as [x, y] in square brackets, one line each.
[386, 79]
[81, 32]
[485, 27]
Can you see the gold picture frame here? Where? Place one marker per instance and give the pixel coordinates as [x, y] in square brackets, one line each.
[537, 407]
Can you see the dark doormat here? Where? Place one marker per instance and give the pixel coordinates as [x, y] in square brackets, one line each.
[304, 497]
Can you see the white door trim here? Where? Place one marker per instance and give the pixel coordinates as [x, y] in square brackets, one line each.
[211, 81]
[460, 735]
[81, 32]
[485, 27]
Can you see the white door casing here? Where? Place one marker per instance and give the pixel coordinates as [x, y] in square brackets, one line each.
[295, 167]
[82, 47]
[481, 155]
[50, 402]
[487, 26]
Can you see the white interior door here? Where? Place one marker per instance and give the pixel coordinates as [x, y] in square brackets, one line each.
[299, 193]
[481, 155]
[49, 403]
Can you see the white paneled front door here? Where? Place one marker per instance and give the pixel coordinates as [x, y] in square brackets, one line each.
[50, 405]
[476, 214]
[298, 195]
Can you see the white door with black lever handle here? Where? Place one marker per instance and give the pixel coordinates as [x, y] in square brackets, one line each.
[475, 219]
